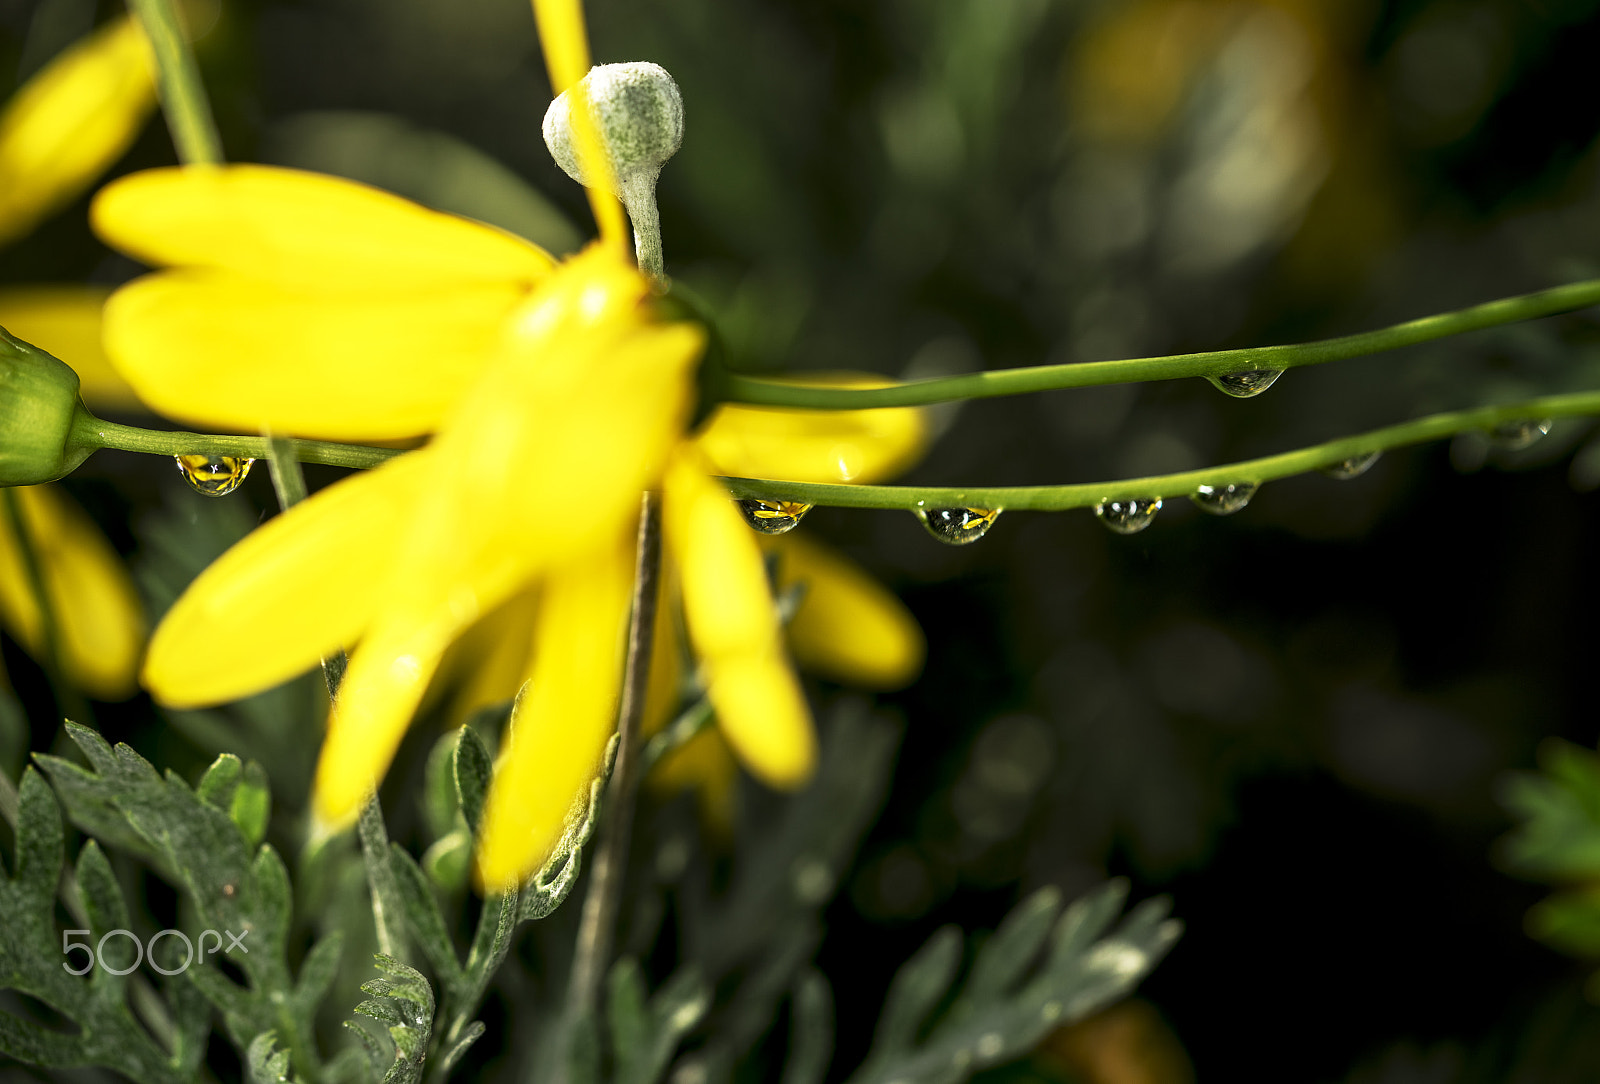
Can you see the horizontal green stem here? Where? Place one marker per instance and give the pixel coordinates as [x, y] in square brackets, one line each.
[89, 431]
[762, 391]
[1086, 495]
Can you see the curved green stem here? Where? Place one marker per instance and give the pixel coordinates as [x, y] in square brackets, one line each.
[183, 96]
[91, 432]
[763, 391]
[1086, 495]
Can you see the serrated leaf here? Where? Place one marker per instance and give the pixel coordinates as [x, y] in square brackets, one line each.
[1014, 946]
[1081, 973]
[264, 1062]
[405, 1002]
[473, 770]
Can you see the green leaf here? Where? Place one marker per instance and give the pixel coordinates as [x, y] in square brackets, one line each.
[810, 1030]
[387, 908]
[1568, 921]
[440, 802]
[473, 770]
[235, 889]
[1559, 837]
[221, 779]
[422, 916]
[999, 1014]
[404, 1001]
[32, 955]
[448, 863]
[251, 807]
[916, 989]
[264, 1062]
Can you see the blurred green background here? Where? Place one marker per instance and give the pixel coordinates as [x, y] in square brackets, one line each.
[1292, 719]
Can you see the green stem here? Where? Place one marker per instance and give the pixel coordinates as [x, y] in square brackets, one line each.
[1085, 495]
[183, 96]
[768, 392]
[91, 432]
[287, 479]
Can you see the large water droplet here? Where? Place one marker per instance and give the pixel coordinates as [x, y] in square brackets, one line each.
[773, 517]
[1223, 500]
[214, 475]
[1517, 435]
[1246, 383]
[1353, 467]
[1129, 515]
[958, 526]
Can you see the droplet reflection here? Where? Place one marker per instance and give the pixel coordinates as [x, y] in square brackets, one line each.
[1353, 467]
[1517, 435]
[773, 517]
[1247, 383]
[1129, 515]
[1223, 500]
[958, 526]
[213, 475]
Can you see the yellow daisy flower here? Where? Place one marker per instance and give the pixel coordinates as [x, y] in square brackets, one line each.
[556, 396]
[57, 134]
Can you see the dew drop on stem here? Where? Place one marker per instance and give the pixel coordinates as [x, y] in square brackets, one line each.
[958, 526]
[773, 517]
[1246, 383]
[1520, 434]
[1353, 467]
[213, 475]
[1128, 515]
[1223, 500]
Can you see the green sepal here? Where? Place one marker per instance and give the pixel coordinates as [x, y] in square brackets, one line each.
[39, 415]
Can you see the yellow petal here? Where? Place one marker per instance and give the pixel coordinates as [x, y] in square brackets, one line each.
[565, 719]
[566, 54]
[763, 714]
[861, 446]
[306, 229]
[848, 627]
[489, 662]
[216, 350]
[299, 587]
[556, 442]
[734, 626]
[100, 622]
[65, 320]
[70, 122]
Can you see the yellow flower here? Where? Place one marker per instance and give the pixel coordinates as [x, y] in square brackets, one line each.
[57, 134]
[71, 121]
[555, 395]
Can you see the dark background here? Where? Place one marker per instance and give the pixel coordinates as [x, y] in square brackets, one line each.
[1293, 719]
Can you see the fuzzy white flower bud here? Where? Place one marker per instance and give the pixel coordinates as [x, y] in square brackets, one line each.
[639, 112]
[640, 115]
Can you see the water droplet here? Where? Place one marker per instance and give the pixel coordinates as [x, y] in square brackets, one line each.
[1246, 383]
[958, 526]
[1353, 467]
[773, 517]
[1223, 500]
[1515, 436]
[1129, 515]
[214, 475]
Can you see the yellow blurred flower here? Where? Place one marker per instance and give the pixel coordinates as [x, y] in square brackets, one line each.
[57, 134]
[71, 121]
[556, 395]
